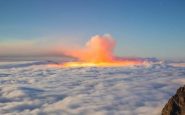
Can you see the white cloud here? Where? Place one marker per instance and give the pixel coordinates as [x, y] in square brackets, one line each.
[34, 88]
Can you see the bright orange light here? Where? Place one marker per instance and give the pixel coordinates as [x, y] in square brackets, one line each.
[100, 64]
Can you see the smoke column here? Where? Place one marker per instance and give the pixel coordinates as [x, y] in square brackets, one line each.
[97, 49]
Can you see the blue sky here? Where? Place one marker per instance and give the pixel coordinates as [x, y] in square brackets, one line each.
[142, 28]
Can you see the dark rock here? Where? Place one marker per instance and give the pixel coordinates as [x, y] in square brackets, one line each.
[176, 104]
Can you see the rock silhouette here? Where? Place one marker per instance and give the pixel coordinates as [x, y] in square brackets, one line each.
[176, 104]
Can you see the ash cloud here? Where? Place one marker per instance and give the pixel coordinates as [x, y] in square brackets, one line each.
[100, 49]
[97, 49]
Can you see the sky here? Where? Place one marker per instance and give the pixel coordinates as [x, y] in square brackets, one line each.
[141, 28]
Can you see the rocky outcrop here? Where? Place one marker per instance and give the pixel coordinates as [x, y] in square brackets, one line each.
[176, 104]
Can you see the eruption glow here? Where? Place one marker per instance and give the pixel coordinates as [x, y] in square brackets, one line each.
[98, 49]
[98, 52]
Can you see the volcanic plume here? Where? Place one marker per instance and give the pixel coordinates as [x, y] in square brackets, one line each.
[98, 51]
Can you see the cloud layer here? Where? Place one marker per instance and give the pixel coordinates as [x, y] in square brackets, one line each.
[34, 88]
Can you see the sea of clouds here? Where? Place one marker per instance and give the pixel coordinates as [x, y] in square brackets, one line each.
[33, 88]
